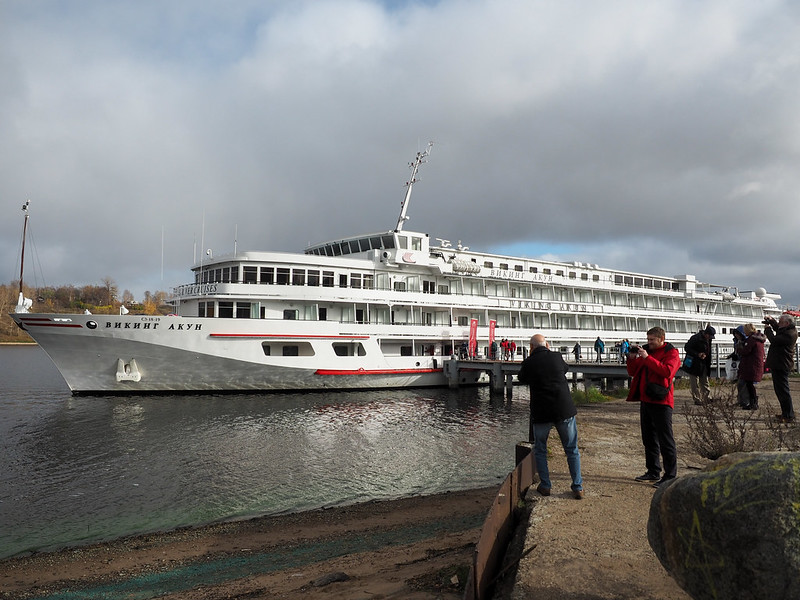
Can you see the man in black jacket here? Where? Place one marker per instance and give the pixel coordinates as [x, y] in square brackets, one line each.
[551, 406]
[782, 335]
[699, 348]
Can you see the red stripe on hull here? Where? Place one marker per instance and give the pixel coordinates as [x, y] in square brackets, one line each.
[375, 371]
[34, 324]
[289, 336]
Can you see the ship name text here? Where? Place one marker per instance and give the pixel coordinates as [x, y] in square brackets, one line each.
[149, 325]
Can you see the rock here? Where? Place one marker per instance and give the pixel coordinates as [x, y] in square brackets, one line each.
[330, 578]
[732, 530]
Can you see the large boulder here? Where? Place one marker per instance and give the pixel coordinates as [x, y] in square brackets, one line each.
[732, 530]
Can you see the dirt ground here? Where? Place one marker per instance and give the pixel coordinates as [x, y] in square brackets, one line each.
[415, 548]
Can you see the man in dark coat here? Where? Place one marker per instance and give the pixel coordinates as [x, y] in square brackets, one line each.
[699, 348]
[551, 406]
[782, 336]
[653, 369]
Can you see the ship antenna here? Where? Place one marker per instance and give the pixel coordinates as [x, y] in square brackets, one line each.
[414, 166]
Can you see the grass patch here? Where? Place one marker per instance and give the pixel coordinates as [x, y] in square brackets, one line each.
[592, 396]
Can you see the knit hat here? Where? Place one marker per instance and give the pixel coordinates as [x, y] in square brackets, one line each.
[710, 331]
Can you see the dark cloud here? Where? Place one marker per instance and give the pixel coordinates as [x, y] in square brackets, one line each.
[649, 137]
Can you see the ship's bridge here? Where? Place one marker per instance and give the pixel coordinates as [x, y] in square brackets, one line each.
[393, 245]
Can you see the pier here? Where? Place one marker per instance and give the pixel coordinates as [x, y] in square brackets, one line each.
[501, 372]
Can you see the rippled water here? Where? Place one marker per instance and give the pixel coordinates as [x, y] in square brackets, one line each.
[82, 469]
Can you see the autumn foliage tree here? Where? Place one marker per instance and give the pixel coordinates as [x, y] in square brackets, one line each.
[98, 299]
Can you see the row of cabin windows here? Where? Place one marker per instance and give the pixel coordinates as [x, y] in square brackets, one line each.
[287, 276]
[629, 280]
[244, 310]
[647, 282]
[342, 349]
[339, 348]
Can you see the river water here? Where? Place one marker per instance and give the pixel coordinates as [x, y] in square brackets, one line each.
[80, 469]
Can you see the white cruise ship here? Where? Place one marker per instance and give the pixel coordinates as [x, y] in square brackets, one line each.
[371, 311]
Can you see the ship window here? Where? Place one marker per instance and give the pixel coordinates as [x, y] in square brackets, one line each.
[216, 275]
[327, 279]
[546, 271]
[323, 313]
[355, 281]
[369, 279]
[406, 351]
[289, 314]
[560, 273]
[250, 274]
[595, 277]
[283, 276]
[428, 287]
[416, 243]
[387, 241]
[518, 268]
[648, 283]
[375, 243]
[444, 289]
[266, 348]
[313, 277]
[349, 349]
[226, 310]
[298, 350]
[504, 266]
[342, 280]
[234, 274]
[618, 279]
[573, 275]
[463, 321]
[584, 276]
[628, 280]
[205, 309]
[488, 264]
[267, 275]
[399, 286]
[534, 269]
[638, 282]
[242, 310]
[299, 277]
[402, 242]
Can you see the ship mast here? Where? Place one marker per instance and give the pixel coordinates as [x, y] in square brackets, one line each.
[22, 305]
[421, 156]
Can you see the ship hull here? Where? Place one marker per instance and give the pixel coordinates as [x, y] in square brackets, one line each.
[135, 354]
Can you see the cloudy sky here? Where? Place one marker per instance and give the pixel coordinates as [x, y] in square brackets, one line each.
[661, 137]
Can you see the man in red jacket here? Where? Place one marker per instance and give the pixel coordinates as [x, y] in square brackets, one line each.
[653, 368]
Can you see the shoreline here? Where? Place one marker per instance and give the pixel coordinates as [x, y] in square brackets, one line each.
[380, 544]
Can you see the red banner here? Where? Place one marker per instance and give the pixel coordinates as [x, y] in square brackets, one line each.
[492, 325]
[473, 337]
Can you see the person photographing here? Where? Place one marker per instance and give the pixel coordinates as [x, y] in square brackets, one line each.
[652, 368]
[782, 336]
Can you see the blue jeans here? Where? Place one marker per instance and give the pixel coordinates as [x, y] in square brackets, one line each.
[568, 432]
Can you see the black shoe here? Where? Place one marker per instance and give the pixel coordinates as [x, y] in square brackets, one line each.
[544, 491]
[646, 477]
[662, 481]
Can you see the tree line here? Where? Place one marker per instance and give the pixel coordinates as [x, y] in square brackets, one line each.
[97, 299]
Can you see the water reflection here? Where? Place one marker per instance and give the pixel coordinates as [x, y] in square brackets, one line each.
[89, 468]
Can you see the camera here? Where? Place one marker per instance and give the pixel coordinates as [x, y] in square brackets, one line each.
[634, 349]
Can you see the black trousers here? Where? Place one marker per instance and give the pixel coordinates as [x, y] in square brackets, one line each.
[659, 443]
[780, 383]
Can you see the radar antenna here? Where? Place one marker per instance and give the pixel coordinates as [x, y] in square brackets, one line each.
[414, 166]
